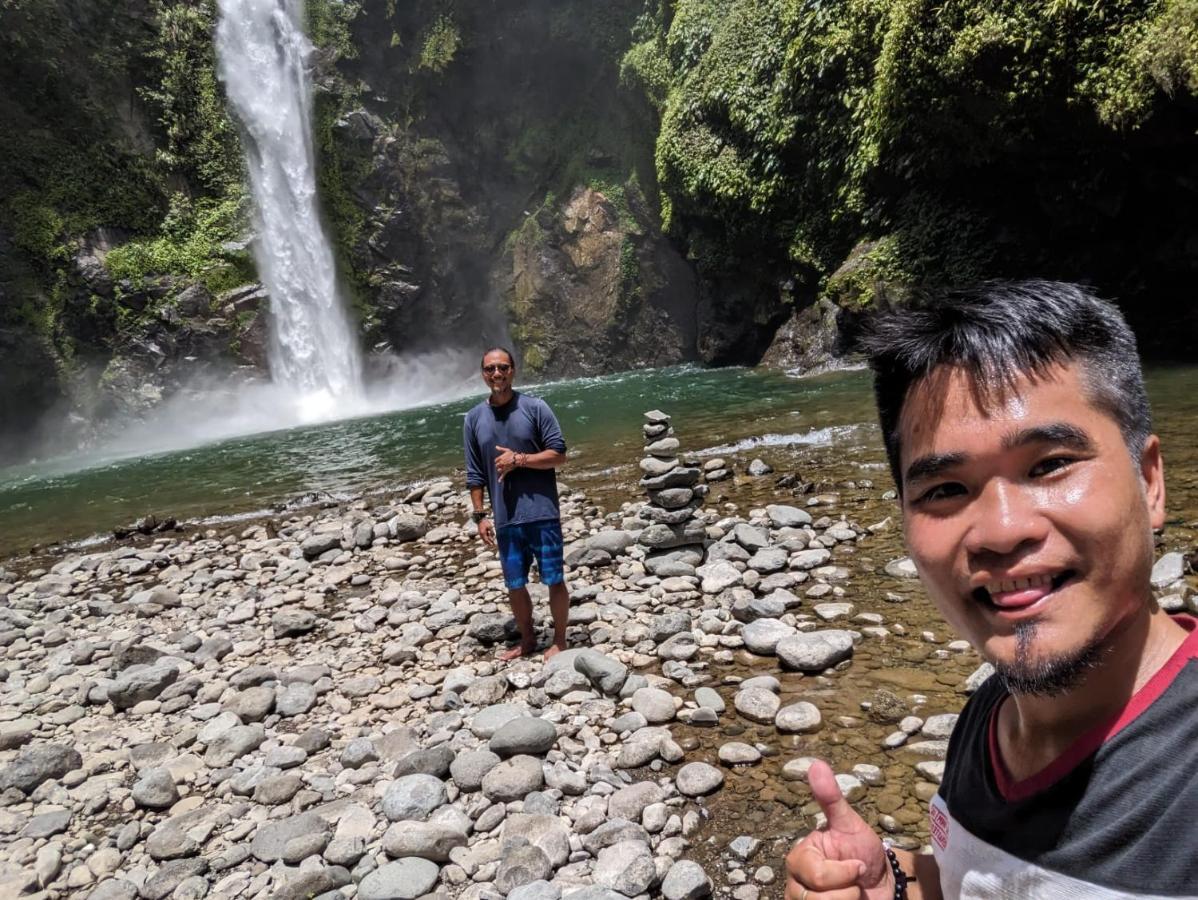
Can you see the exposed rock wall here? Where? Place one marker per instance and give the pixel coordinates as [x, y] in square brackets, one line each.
[590, 290]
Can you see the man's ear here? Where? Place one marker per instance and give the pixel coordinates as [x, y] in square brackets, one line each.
[1152, 470]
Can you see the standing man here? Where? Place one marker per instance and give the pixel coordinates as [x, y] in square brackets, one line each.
[513, 447]
[1019, 436]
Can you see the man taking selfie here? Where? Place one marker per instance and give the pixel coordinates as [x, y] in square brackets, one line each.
[1019, 435]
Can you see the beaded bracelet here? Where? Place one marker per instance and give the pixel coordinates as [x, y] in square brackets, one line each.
[900, 877]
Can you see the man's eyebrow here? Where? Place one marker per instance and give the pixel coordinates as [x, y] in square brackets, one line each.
[932, 465]
[1062, 433]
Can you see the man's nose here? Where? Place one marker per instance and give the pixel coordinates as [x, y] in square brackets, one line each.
[1004, 518]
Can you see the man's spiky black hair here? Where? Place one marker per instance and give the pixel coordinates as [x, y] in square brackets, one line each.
[1002, 329]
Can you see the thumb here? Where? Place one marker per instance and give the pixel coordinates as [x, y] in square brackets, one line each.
[499, 449]
[841, 816]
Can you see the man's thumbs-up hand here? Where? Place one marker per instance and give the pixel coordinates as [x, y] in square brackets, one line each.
[844, 860]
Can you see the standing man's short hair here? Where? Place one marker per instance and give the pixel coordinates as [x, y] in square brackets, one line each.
[491, 350]
[1000, 330]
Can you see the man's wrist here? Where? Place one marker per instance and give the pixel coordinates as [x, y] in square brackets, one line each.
[478, 515]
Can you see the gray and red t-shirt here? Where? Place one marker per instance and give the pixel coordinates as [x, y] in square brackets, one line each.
[1115, 816]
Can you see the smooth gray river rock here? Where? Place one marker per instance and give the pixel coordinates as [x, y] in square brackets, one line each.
[698, 778]
[524, 735]
[757, 704]
[798, 718]
[413, 797]
[815, 651]
[426, 840]
[548, 833]
[626, 867]
[404, 879]
[513, 778]
[656, 705]
[686, 880]
[761, 636]
[138, 683]
[38, 764]
[783, 516]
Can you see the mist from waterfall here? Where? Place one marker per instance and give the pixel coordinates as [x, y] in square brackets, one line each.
[262, 54]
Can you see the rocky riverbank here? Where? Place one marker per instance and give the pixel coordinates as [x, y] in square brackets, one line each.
[311, 705]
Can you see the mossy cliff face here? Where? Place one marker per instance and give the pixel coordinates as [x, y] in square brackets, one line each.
[925, 144]
[122, 212]
[592, 285]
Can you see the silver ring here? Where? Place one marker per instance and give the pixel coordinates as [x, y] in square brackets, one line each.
[803, 896]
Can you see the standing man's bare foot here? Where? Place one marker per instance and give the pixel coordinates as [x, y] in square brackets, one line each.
[518, 651]
[554, 650]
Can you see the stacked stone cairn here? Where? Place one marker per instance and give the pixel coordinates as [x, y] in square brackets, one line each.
[674, 536]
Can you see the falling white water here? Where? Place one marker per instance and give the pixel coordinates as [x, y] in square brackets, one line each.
[261, 53]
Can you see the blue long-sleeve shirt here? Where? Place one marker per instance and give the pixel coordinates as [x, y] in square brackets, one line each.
[526, 425]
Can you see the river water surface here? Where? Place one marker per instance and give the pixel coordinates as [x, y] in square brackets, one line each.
[737, 412]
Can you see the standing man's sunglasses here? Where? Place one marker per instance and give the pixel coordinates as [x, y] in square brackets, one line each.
[497, 367]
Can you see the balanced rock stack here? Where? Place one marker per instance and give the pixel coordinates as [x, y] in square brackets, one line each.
[674, 536]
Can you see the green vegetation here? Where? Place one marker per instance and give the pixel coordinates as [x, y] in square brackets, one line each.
[790, 131]
[440, 45]
[115, 122]
[193, 242]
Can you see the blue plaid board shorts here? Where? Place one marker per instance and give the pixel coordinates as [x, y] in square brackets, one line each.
[520, 544]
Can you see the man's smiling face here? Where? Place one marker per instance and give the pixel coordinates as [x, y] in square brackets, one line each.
[1027, 517]
[498, 372]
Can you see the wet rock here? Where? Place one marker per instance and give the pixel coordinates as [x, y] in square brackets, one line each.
[735, 753]
[782, 516]
[757, 704]
[902, 568]
[709, 698]
[762, 636]
[798, 718]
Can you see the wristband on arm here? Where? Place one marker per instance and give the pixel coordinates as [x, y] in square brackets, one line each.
[900, 877]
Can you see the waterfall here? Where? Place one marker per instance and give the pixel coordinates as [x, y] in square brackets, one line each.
[261, 55]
